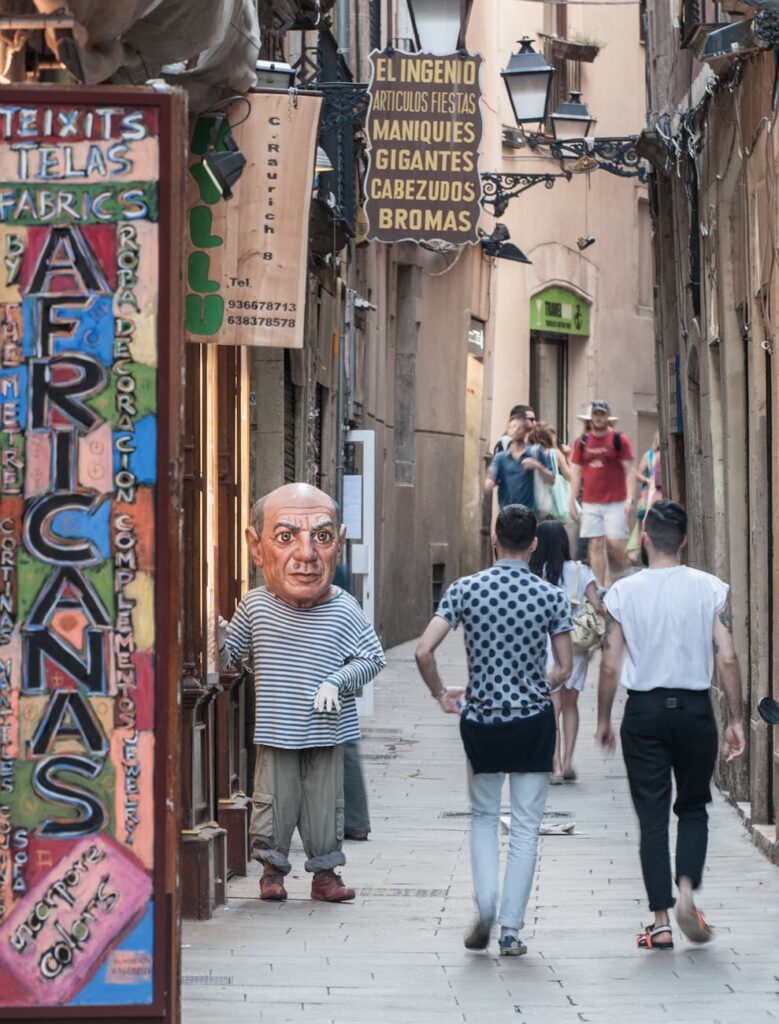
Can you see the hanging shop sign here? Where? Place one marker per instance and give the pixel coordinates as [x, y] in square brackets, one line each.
[248, 255]
[87, 648]
[559, 311]
[424, 130]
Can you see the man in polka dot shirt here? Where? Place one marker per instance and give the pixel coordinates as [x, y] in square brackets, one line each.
[507, 722]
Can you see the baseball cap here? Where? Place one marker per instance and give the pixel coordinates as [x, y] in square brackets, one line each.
[600, 405]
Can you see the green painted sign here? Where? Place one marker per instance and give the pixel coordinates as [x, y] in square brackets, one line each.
[558, 311]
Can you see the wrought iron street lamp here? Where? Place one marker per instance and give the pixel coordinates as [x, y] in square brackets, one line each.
[528, 80]
[572, 119]
[438, 24]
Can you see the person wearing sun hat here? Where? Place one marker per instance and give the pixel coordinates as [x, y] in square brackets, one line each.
[601, 460]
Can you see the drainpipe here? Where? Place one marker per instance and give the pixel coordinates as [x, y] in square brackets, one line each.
[339, 341]
[342, 29]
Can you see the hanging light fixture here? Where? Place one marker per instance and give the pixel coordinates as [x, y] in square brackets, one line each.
[438, 24]
[572, 119]
[323, 163]
[528, 80]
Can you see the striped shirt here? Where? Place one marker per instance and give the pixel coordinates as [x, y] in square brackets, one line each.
[294, 651]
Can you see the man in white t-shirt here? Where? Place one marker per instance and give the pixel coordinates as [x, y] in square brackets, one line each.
[670, 624]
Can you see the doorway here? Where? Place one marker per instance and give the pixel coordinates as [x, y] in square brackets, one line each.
[549, 379]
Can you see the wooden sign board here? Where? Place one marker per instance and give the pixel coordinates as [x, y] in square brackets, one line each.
[248, 255]
[424, 130]
[88, 650]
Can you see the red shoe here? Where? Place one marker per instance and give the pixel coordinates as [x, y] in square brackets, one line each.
[272, 884]
[328, 886]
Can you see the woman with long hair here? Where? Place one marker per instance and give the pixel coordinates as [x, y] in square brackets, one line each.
[552, 561]
[545, 436]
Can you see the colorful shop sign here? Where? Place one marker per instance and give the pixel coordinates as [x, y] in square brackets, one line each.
[84, 354]
[248, 256]
[424, 130]
[558, 311]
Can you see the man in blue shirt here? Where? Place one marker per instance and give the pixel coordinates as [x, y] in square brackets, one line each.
[514, 469]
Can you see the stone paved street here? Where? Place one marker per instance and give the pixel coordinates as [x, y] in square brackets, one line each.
[396, 953]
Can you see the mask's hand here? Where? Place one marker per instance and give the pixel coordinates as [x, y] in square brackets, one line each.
[221, 632]
[326, 698]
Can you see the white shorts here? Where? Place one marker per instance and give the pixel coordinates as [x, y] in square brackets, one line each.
[604, 520]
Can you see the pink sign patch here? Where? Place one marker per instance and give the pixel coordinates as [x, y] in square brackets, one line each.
[54, 941]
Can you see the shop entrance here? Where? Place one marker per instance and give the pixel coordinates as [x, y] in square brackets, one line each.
[557, 315]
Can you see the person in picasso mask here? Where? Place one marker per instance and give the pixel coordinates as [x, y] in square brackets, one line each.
[312, 649]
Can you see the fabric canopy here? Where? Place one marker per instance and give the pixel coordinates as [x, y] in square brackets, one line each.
[208, 46]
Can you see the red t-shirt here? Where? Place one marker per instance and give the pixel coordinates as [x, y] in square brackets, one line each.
[603, 475]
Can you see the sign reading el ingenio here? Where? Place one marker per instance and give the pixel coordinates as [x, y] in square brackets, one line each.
[424, 129]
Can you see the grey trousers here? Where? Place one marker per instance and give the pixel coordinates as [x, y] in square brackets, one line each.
[300, 789]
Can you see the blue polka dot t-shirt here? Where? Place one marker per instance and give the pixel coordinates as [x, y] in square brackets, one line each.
[507, 613]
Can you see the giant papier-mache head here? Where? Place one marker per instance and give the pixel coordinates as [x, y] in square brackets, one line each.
[296, 539]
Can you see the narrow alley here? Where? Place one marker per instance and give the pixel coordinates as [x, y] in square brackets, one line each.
[396, 954]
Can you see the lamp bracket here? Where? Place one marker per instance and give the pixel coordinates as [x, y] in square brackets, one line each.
[615, 154]
[498, 189]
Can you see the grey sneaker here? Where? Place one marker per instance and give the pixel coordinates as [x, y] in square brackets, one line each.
[479, 936]
[512, 946]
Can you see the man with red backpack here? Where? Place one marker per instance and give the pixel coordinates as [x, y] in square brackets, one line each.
[601, 460]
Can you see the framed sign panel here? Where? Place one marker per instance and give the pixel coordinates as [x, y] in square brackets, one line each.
[89, 405]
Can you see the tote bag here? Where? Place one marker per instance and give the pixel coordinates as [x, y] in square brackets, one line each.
[561, 494]
[542, 492]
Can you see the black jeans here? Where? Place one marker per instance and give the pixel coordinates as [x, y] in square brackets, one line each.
[667, 731]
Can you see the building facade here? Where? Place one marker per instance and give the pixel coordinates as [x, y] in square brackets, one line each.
[577, 323]
[711, 110]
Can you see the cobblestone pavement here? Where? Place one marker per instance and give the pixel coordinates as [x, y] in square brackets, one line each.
[396, 953]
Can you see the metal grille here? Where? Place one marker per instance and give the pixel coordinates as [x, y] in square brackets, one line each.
[290, 408]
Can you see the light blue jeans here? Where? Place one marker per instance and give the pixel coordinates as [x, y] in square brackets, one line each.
[528, 799]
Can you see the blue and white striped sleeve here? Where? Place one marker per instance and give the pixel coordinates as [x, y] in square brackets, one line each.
[238, 643]
[365, 663]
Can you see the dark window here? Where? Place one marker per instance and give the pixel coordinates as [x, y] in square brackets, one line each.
[437, 578]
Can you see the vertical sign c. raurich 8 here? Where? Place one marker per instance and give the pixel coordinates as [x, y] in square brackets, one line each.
[424, 131]
[86, 546]
[248, 256]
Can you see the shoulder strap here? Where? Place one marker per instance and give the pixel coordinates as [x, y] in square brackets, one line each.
[582, 444]
[618, 441]
[576, 584]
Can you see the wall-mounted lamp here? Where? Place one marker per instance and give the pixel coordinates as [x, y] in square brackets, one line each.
[225, 166]
[497, 245]
[528, 80]
[439, 25]
[572, 119]
[274, 74]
